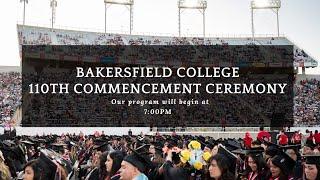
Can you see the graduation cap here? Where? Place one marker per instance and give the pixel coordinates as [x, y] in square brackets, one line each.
[158, 146]
[73, 143]
[102, 147]
[312, 159]
[310, 144]
[8, 143]
[99, 141]
[240, 151]
[172, 142]
[158, 143]
[101, 144]
[256, 143]
[209, 145]
[140, 138]
[230, 157]
[202, 141]
[232, 144]
[58, 147]
[32, 139]
[139, 160]
[296, 148]
[143, 149]
[205, 143]
[254, 151]
[26, 142]
[53, 160]
[272, 149]
[284, 162]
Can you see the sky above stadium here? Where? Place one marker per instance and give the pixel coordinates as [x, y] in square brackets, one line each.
[299, 20]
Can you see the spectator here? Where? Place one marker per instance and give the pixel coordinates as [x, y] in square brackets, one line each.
[263, 135]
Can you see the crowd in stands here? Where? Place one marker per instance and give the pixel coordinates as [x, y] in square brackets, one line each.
[307, 102]
[10, 95]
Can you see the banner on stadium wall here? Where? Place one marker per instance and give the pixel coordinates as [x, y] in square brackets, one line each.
[32, 55]
[107, 59]
[88, 59]
[52, 56]
[243, 64]
[258, 65]
[275, 64]
[289, 64]
[71, 58]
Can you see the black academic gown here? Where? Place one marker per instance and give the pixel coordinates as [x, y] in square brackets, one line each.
[174, 173]
[153, 174]
[298, 170]
[93, 174]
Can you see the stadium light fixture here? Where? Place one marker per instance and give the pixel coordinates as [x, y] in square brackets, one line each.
[24, 10]
[53, 5]
[192, 4]
[119, 2]
[265, 4]
[123, 2]
[274, 5]
[201, 5]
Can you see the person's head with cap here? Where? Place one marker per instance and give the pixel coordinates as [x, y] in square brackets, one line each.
[281, 166]
[256, 144]
[215, 149]
[102, 164]
[292, 151]
[312, 167]
[47, 166]
[219, 169]
[256, 161]
[39, 169]
[155, 148]
[271, 151]
[208, 147]
[133, 166]
[113, 163]
[308, 148]
[32, 170]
